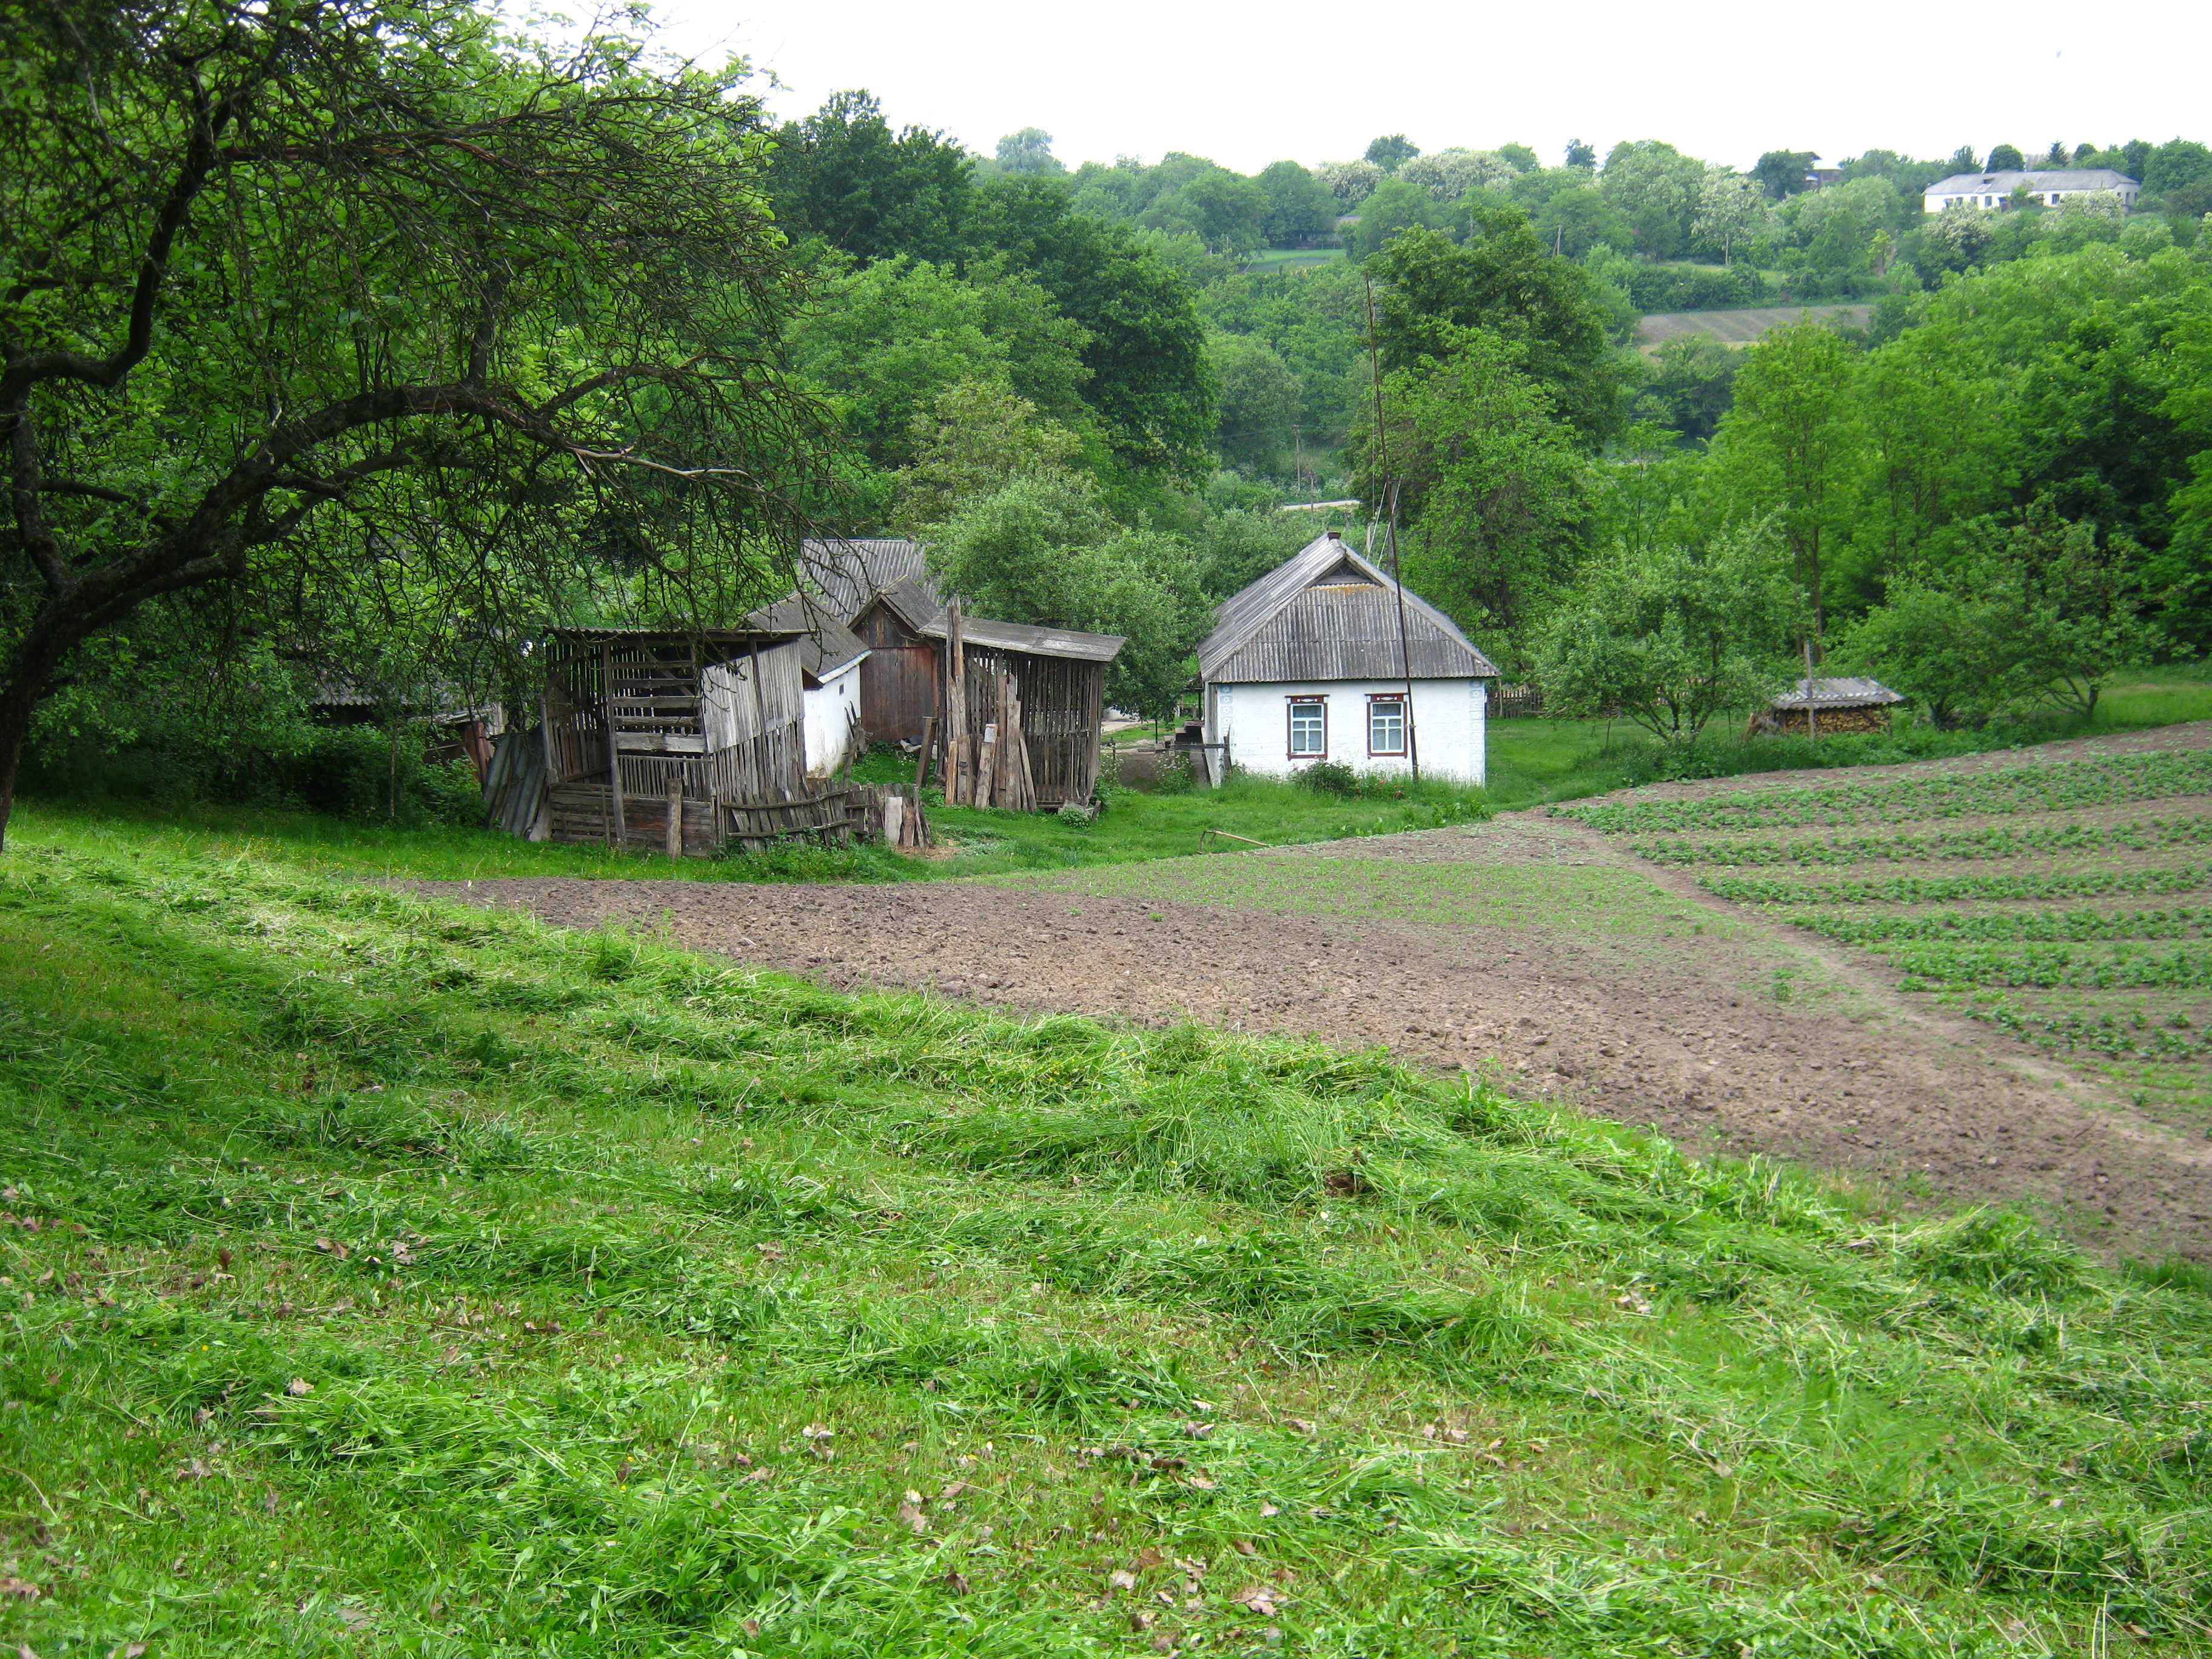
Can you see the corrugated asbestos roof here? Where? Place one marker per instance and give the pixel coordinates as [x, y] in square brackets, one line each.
[1029, 640]
[1838, 694]
[826, 645]
[2045, 179]
[851, 572]
[1329, 614]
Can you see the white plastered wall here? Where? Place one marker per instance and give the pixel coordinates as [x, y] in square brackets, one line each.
[1450, 726]
[831, 708]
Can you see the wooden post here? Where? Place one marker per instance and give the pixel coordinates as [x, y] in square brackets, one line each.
[676, 816]
[921, 761]
[958, 777]
[620, 830]
[1812, 714]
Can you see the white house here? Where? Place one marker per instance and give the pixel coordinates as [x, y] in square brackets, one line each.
[1307, 664]
[2049, 186]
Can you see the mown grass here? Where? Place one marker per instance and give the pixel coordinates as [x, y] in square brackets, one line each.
[385, 1277]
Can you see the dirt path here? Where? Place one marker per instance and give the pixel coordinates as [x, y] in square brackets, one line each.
[1528, 943]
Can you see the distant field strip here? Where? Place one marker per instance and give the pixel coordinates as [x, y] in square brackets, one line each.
[2047, 788]
[1744, 326]
[2127, 990]
[1994, 842]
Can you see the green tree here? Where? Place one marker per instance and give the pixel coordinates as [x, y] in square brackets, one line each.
[1299, 208]
[1392, 152]
[1573, 221]
[977, 437]
[886, 339]
[2178, 173]
[1497, 491]
[1789, 450]
[1504, 279]
[1657, 189]
[1394, 206]
[1029, 152]
[1781, 172]
[295, 297]
[1259, 403]
[1145, 346]
[2005, 158]
[1691, 385]
[1731, 212]
[1044, 549]
[842, 175]
[1671, 636]
[1582, 155]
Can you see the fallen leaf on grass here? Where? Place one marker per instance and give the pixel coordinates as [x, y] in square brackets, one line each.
[1246, 1546]
[19, 1587]
[1268, 1511]
[1258, 1597]
[328, 1249]
[913, 1519]
[1204, 1482]
[1148, 1557]
[1297, 1425]
[957, 1582]
[298, 1387]
[1121, 1578]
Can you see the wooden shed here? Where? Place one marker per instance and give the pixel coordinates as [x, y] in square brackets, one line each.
[1023, 708]
[1831, 706]
[684, 742]
[899, 681]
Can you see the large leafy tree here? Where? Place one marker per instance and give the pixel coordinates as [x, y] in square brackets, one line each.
[1145, 350]
[843, 176]
[1501, 279]
[291, 290]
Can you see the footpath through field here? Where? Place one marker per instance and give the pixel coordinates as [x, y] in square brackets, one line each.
[1550, 950]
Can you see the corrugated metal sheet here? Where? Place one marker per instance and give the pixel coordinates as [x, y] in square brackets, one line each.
[827, 644]
[1329, 614]
[1838, 694]
[849, 573]
[1031, 641]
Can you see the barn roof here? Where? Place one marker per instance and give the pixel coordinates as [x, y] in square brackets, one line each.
[1029, 640]
[913, 601]
[852, 571]
[1329, 614]
[825, 646]
[1838, 694]
[2036, 178]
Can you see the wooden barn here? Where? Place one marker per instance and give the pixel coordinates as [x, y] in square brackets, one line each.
[1812, 707]
[1023, 708]
[880, 588]
[683, 742]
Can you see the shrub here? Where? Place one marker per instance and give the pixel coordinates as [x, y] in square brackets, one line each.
[1330, 778]
[1076, 816]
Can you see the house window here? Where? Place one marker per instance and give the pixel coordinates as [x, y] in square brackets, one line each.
[1386, 726]
[1309, 728]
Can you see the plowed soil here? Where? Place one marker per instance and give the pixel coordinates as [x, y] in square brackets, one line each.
[1527, 945]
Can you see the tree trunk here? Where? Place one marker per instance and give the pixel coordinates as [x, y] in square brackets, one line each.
[29, 673]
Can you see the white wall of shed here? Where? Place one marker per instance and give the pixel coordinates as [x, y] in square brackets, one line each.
[831, 709]
[1450, 726]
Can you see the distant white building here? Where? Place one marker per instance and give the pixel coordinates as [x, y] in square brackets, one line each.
[1307, 665]
[2049, 186]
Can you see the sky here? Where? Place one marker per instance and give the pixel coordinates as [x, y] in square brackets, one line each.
[1250, 84]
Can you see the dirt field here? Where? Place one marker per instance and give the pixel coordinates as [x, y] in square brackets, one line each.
[1535, 945]
[1739, 327]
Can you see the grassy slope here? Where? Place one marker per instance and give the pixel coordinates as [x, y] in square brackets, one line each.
[385, 1277]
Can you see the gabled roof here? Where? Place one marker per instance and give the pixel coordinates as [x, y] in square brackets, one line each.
[1817, 694]
[1329, 614]
[2036, 178]
[851, 572]
[1030, 639]
[912, 601]
[826, 646]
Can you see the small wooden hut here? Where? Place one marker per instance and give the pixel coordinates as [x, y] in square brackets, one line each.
[684, 742]
[1813, 707]
[1022, 707]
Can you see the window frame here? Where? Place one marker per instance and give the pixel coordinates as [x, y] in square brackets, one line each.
[1398, 698]
[1291, 706]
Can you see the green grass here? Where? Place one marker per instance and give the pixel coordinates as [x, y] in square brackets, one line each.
[385, 1277]
[975, 843]
[1270, 261]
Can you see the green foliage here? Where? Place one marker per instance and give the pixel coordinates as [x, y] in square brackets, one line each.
[1392, 152]
[1504, 280]
[1659, 190]
[1497, 491]
[1300, 209]
[974, 440]
[1691, 384]
[1259, 403]
[1029, 151]
[1671, 635]
[842, 174]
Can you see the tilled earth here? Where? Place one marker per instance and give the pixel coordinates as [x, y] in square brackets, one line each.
[1727, 1031]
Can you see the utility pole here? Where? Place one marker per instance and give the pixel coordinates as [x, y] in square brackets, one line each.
[1390, 509]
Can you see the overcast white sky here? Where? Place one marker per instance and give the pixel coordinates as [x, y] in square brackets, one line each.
[1248, 84]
